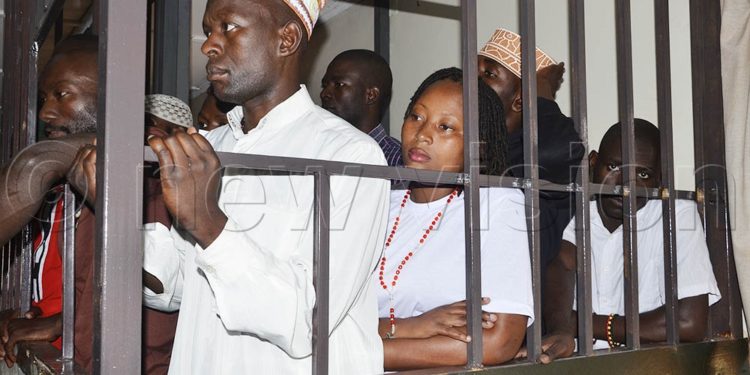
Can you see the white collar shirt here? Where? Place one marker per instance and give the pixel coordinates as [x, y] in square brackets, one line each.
[694, 271]
[246, 301]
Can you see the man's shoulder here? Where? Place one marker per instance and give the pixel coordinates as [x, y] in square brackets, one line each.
[334, 132]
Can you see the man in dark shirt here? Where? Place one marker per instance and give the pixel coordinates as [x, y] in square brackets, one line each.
[560, 149]
[357, 88]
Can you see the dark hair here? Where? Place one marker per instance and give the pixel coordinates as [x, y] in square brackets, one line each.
[493, 149]
[375, 72]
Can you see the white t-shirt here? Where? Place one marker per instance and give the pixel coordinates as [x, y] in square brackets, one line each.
[246, 301]
[694, 272]
[435, 275]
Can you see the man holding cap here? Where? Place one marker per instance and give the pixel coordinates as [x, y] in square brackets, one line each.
[560, 148]
[244, 286]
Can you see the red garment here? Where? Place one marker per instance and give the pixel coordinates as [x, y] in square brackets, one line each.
[158, 327]
[47, 288]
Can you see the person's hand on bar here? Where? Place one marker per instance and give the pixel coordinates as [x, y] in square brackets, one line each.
[82, 175]
[190, 173]
[28, 328]
[554, 346]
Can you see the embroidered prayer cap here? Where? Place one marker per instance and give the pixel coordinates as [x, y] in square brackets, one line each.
[170, 109]
[307, 11]
[505, 47]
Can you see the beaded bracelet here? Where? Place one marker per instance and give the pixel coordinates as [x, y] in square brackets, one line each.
[612, 343]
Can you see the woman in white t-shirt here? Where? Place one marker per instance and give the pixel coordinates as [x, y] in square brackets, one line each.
[421, 277]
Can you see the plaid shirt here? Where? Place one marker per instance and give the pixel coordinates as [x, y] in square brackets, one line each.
[391, 146]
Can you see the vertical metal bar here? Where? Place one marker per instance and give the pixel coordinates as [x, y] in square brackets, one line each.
[710, 162]
[471, 187]
[383, 44]
[5, 254]
[583, 197]
[69, 251]
[531, 159]
[629, 205]
[172, 48]
[664, 106]
[321, 271]
[25, 269]
[119, 243]
[31, 94]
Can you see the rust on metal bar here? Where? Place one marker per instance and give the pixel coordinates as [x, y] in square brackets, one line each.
[664, 108]
[629, 207]
[583, 196]
[531, 170]
[710, 163]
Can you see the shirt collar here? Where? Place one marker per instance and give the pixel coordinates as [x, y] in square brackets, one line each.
[378, 133]
[286, 112]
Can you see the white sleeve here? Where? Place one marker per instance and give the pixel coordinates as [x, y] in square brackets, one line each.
[257, 292]
[569, 234]
[695, 274]
[163, 258]
[506, 266]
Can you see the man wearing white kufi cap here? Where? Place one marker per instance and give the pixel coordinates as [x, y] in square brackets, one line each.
[244, 288]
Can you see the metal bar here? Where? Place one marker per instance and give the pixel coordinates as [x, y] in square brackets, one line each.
[69, 251]
[710, 162]
[119, 242]
[172, 48]
[31, 93]
[321, 271]
[629, 205]
[664, 106]
[25, 268]
[473, 274]
[47, 15]
[383, 44]
[531, 159]
[583, 197]
[6, 254]
[284, 165]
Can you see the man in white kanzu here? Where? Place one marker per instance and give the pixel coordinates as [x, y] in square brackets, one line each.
[244, 289]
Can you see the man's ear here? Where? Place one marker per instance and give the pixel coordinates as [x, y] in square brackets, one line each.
[517, 104]
[372, 95]
[291, 38]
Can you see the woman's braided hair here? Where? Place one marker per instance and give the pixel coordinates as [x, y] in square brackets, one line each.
[493, 148]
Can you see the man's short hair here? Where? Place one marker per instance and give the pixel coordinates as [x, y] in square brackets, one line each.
[378, 72]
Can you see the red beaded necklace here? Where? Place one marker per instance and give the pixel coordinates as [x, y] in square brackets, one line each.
[408, 256]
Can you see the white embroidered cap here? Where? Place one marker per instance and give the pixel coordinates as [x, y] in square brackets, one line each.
[308, 11]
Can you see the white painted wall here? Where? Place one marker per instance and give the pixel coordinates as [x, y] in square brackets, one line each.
[422, 43]
[425, 36]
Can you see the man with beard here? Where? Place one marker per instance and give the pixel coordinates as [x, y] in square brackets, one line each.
[696, 288]
[67, 93]
[357, 88]
[244, 288]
